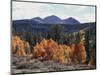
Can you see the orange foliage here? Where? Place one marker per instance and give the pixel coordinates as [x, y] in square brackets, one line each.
[18, 47]
[50, 50]
[78, 53]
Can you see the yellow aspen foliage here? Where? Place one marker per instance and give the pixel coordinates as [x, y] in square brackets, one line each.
[38, 51]
[67, 51]
[48, 49]
[82, 52]
[18, 46]
[27, 48]
[78, 53]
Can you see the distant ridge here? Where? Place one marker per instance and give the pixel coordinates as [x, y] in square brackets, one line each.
[50, 20]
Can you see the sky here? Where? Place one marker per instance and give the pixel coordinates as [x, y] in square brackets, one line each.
[28, 10]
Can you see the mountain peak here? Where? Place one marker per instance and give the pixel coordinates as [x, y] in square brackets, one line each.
[38, 20]
[52, 19]
[53, 16]
[71, 21]
[71, 18]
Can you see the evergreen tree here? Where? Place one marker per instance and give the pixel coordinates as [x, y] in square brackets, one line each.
[87, 45]
[56, 33]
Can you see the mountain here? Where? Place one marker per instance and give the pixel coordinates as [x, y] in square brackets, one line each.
[27, 25]
[52, 20]
[71, 21]
[56, 20]
[48, 20]
[38, 24]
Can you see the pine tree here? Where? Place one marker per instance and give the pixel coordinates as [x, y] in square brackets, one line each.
[87, 45]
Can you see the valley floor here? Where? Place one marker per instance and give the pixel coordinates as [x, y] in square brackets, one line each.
[27, 65]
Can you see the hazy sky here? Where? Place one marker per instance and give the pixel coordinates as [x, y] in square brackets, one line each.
[28, 10]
